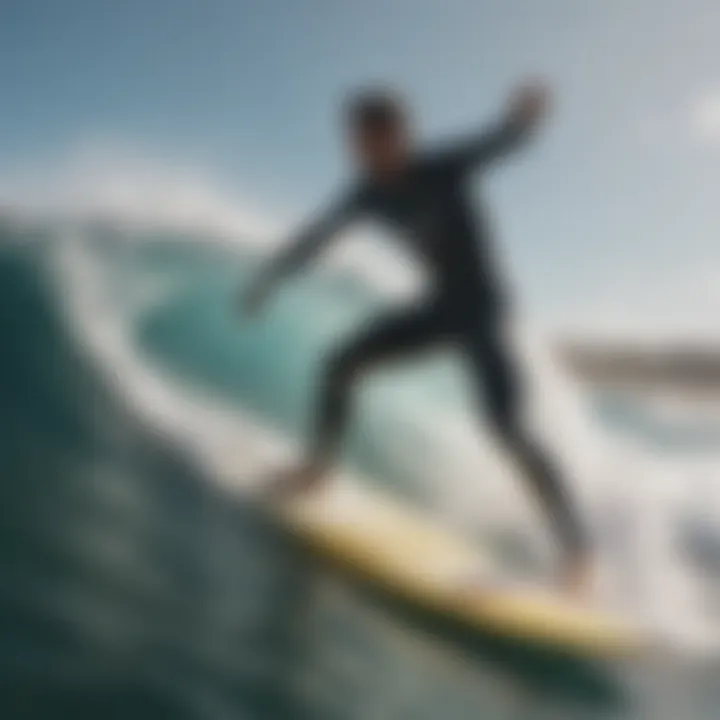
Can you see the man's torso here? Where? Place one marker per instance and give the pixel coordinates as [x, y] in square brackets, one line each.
[430, 208]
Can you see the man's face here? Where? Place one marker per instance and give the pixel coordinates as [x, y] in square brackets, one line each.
[382, 151]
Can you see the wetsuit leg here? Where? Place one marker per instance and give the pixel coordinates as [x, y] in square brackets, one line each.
[392, 337]
[501, 390]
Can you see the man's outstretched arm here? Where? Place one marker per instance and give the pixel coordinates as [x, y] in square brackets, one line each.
[527, 107]
[300, 250]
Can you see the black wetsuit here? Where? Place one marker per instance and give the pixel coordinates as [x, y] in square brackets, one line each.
[431, 208]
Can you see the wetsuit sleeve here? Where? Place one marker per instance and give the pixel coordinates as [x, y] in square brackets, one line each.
[487, 146]
[314, 236]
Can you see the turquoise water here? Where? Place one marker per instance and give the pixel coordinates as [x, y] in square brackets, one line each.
[271, 367]
[135, 586]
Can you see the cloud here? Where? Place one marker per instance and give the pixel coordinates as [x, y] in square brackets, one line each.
[705, 117]
[126, 184]
[132, 187]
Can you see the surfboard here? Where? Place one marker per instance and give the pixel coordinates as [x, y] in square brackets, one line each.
[412, 554]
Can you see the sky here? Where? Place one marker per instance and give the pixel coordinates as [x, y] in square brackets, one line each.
[613, 210]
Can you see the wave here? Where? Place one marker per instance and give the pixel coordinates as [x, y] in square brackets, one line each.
[131, 394]
[146, 271]
[154, 310]
[128, 579]
[120, 556]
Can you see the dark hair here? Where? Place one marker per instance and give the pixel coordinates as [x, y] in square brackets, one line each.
[375, 109]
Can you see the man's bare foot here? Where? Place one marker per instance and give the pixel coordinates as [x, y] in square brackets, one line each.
[578, 576]
[297, 481]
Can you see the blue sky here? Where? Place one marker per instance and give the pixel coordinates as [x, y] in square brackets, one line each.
[619, 190]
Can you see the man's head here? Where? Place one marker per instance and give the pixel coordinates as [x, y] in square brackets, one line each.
[379, 132]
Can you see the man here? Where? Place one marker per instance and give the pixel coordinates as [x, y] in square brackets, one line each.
[425, 196]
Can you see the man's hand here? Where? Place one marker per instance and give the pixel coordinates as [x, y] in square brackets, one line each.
[529, 104]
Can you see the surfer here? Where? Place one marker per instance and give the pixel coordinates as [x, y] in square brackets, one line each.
[425, 196]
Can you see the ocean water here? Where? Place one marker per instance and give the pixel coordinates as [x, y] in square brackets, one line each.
[136, 583]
